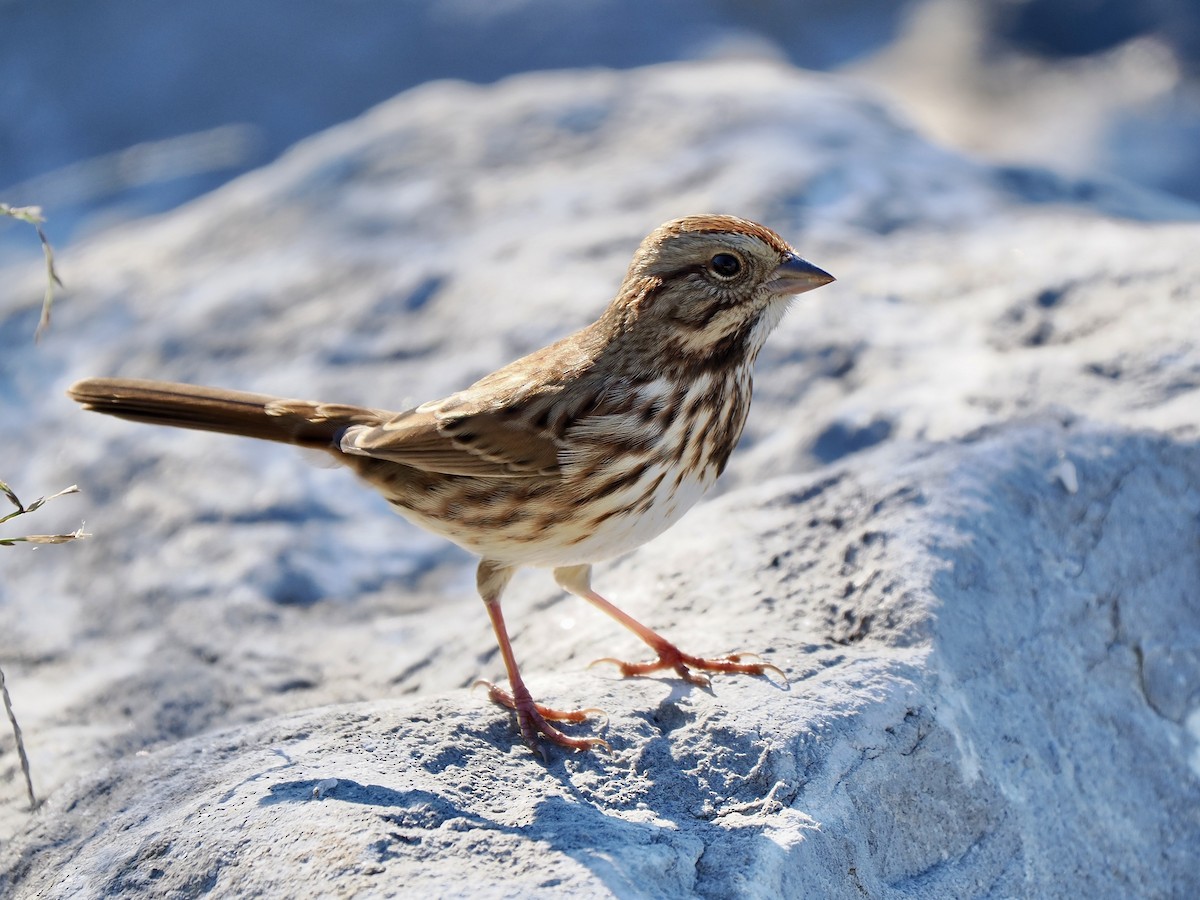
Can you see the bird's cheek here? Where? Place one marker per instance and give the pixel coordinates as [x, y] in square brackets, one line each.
[725, 321]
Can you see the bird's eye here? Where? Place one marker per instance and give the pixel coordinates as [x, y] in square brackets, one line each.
[725, 265]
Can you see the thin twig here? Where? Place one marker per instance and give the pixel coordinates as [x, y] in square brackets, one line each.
[12, 718]
[21, 510]
[33, 215]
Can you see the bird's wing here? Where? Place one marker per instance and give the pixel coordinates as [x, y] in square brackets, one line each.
[509, 424]
[492, 443]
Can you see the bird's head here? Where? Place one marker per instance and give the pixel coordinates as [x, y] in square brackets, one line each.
[708, 288]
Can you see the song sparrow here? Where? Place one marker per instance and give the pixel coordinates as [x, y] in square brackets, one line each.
[576, 453]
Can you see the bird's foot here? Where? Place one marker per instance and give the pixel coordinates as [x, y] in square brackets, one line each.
[692, 669]
[534, 720]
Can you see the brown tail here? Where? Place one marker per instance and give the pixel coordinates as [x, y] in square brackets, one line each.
[216, 409]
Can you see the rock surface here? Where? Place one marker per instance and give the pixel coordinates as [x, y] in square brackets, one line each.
[964, 519]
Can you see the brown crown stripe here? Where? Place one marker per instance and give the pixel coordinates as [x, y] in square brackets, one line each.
[711, 224]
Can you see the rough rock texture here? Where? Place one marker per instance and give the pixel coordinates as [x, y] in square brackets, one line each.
[965, 519]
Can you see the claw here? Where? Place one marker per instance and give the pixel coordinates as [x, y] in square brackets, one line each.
[577, 580]
[760, 667]
[534, 719]
[670, 657]
[783, 679]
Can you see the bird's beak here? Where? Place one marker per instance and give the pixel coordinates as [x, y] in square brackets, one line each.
[796, 275]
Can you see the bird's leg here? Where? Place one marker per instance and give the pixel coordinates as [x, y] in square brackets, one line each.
[532, 718]
[578, 581]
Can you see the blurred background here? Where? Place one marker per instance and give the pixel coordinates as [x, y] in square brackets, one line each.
[121, 109]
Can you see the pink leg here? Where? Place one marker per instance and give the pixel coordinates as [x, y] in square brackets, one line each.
[532, 718]
[577, 580]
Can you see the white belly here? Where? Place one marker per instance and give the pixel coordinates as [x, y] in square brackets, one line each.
[626, 531]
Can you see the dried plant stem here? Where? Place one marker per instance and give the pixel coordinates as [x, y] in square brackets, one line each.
[22, 510]
[12, 718]
[33, 215]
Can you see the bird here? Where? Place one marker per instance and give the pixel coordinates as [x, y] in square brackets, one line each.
[572, 455]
